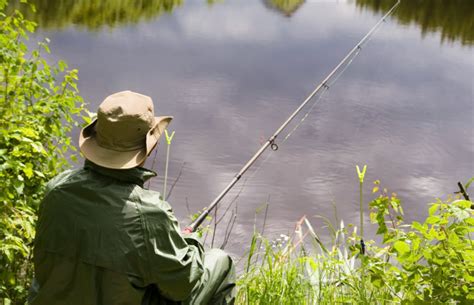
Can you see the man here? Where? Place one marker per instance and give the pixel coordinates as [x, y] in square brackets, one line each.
[103, 239]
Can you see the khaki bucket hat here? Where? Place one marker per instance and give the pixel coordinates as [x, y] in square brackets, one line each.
[125, 131]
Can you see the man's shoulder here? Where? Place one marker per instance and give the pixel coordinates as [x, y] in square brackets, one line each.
[61, 178]
[152, 206]
[151, 200]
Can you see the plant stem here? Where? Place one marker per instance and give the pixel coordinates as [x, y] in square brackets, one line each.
[361, 200]
[166, 169]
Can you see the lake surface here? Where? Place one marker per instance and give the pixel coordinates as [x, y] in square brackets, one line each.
[231, 72]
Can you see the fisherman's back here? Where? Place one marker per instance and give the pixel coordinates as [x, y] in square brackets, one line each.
[90, 246]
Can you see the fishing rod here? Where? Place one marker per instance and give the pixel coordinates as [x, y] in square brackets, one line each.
[271, 141]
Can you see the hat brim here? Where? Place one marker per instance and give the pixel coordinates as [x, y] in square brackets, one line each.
[115, 159]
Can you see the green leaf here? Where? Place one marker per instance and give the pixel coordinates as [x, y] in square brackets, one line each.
[463, 204]
[417, 226]
[62, 65]
[401, 247]
[470, 221]
[30, 27]
[38, 147]
[469, 183]
[432, 210]
[28, 170]
[416, 244]
[433, 220]
[19, 186]
[40, 174]
[373, 217]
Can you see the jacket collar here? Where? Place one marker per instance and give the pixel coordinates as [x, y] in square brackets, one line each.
[137, 175]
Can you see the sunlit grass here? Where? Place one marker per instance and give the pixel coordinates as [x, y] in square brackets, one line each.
[419, 263]
[304, 271]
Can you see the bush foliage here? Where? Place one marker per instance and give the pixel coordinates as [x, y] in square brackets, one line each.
[38, 104]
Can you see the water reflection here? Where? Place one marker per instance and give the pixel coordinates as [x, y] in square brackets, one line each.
[453, 18]
[286, 7]
[56, 14]
[232, 74]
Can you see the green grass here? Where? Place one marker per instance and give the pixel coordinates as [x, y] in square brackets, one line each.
[431, 262]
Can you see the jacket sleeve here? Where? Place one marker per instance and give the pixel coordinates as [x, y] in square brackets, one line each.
[174, 263]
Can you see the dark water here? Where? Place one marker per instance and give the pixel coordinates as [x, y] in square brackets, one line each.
[232, 71]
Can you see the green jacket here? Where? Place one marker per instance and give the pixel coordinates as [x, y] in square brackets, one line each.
[103, 239]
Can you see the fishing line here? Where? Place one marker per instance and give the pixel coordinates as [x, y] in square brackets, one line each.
[153, 166]
[327, 86]
[260, 165]
[321, 88]
[320, 97]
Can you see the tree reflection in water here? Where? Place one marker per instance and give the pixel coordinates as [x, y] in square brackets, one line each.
[454, 19]
[286, 7]
[93, 14]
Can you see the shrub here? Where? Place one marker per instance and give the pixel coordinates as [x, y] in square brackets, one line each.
[433, 261]
[38, 104]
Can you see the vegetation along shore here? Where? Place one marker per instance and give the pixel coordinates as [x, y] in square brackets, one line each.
[420, 262]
